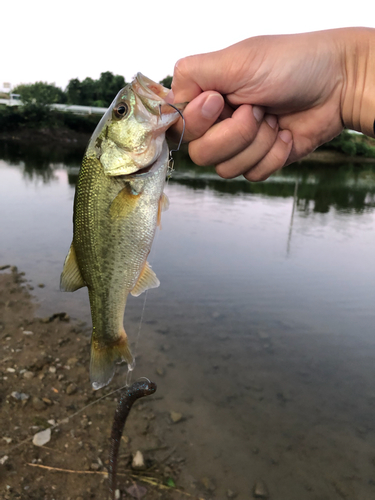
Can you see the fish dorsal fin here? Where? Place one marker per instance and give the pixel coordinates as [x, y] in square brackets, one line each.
[163, 206]
[71, 277]
[147, 279]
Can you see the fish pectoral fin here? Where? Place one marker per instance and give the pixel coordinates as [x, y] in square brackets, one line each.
[71, 277]
[147, 279]
[124, 203]
[163, 206]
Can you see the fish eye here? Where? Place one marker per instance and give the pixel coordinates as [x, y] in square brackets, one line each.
[121, 110]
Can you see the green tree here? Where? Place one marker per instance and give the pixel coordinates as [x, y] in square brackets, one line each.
[40, 93]
[167, 82]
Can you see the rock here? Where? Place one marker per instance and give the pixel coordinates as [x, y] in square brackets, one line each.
[41, 438]
[138, 462]
[175, 416]
[52, 369]
[28, 332]
[95, 466]
[117, 494]
[231, 493]
[38, 404]
[160, 372]
[208, 484]
[41, 285]
[136, 491]
[11, 370]
[7, 440]
[20, 396]
[7, 266]
[28, 375]
[47, 401]
[260, 490]
[71, 389]
[3, 459]
[72, 361]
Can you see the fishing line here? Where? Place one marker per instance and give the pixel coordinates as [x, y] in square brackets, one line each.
[170, 170]
[64, 420]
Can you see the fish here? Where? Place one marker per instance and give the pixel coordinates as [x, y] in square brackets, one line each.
[117, 207]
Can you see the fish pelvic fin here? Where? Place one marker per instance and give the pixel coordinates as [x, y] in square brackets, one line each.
[71, 277]
[147, 279]
[104, 359]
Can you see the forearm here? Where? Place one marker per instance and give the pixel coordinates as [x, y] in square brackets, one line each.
[358, 98]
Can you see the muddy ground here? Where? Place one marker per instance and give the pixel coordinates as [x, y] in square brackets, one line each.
[43, 381]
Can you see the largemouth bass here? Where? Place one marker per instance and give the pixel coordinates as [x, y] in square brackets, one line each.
[118, 203]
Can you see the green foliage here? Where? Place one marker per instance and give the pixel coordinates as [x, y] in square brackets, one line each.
[167, 82]
[91, 92]
[40, 93]
[352, 144]
[35, 116]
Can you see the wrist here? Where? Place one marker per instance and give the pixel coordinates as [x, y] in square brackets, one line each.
[358, 97]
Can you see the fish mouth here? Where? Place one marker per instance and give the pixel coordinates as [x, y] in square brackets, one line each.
[146, 87]
[153, 96]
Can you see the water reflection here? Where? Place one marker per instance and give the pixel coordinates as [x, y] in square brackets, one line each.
[346, 187]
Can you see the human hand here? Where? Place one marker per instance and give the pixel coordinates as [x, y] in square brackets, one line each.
[267, 101]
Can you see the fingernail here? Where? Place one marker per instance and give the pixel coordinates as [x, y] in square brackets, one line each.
[212, 106]
[271, 120]
[286, 136]
[258, 113]
[170, 97]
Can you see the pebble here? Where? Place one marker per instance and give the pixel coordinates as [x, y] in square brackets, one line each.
[175, 416]
[71, 389]
[20, 396]
[41, 438]
[72, 361]
[136, 491]
[7, 440]
[160, 372]
[231, 493]
[28, 375]
[260, 490]
[52, 369]
[11, 370]
[3, 459]
[208, 484]
[28, 332]
[38, 404]
[138, 462]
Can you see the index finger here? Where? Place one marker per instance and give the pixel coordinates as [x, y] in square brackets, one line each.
[196, 74]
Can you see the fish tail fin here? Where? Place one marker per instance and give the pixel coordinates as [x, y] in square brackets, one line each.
[104, 358]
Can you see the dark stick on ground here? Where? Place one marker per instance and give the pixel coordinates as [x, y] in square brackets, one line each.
[128, 397]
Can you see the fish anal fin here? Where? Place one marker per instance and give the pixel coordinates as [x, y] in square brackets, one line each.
[147, 279]
[163, 206]
[124, 203]
[71, 277]
[104, 359]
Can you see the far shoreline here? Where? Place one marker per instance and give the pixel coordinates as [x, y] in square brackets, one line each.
[69, 137]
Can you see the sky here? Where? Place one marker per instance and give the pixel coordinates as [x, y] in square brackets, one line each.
[55, 42]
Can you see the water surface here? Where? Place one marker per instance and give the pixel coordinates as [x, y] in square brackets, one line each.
[263, 323]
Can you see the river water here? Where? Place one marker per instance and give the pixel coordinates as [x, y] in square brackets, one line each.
[262, 328]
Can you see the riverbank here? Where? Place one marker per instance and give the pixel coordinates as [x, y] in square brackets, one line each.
[44, 384]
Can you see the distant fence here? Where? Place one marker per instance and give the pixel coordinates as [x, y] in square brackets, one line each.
[67, 108]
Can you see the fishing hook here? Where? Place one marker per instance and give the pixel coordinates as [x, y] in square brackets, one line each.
[171, 159]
